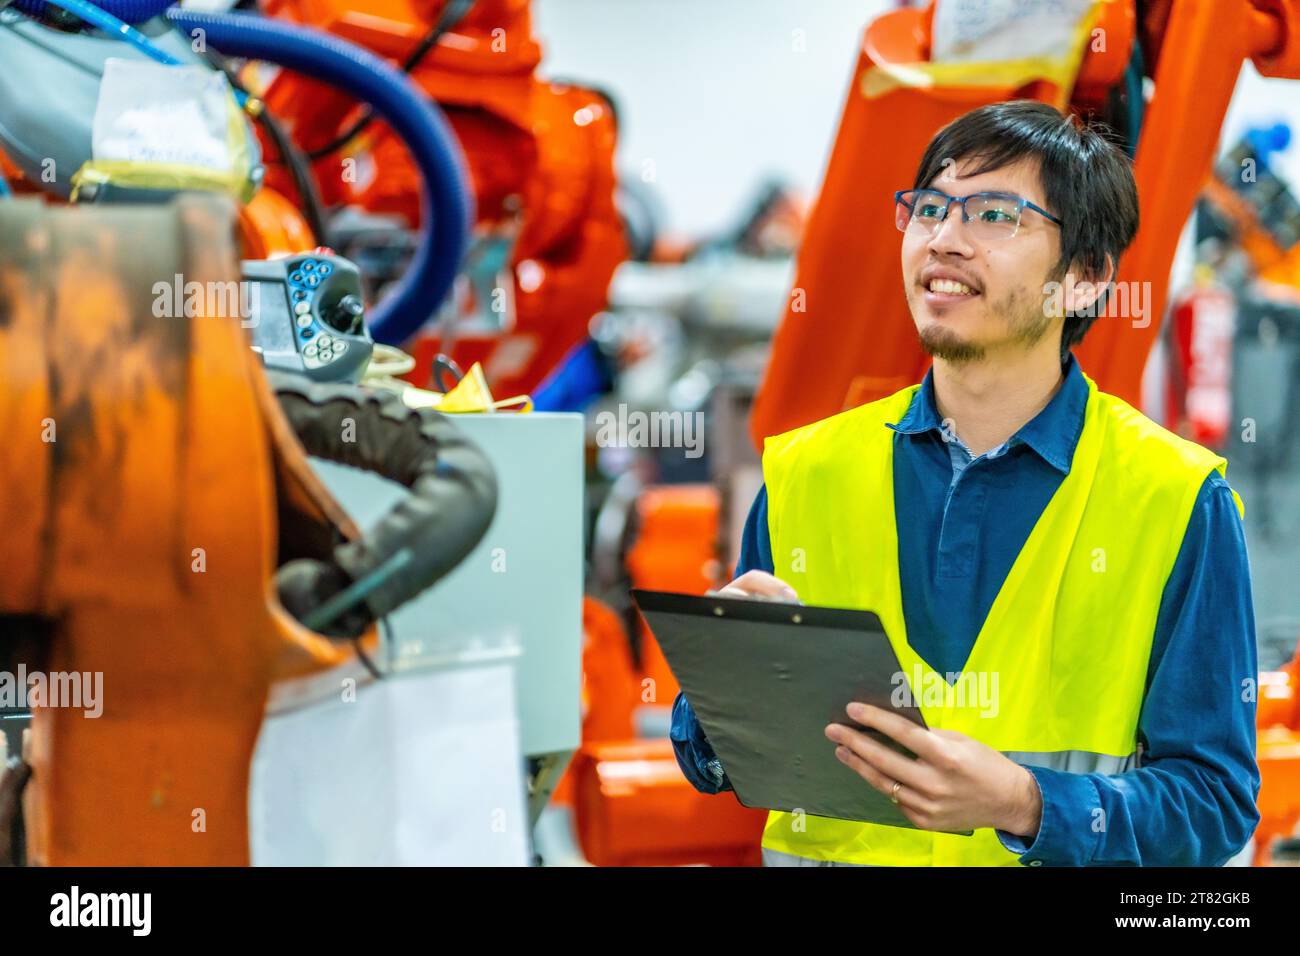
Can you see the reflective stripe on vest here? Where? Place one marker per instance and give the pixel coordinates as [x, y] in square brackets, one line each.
[1074, 761]
[1061, 659]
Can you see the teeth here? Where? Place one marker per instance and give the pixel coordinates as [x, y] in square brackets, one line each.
[951, 287]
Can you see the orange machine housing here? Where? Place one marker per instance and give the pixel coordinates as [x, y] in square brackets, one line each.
[540, 155]
[140, 517]
[271, 226]
[676, 549]
[632, 805]
[1278, 752]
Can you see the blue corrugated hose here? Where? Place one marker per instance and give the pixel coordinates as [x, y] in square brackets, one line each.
[447, 212]
[130, 11]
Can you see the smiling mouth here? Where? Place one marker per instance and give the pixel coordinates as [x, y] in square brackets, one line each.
[949, 289]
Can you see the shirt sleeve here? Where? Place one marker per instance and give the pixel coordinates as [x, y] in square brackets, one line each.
[694, 753]
[1191, 799]
[756, 541]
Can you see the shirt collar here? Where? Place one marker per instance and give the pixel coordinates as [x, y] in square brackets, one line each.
[1053, 433]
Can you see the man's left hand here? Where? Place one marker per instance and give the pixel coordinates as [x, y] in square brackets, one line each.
[956, 783]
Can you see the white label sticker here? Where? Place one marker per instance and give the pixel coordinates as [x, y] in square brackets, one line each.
[154, 113]
[967, 31]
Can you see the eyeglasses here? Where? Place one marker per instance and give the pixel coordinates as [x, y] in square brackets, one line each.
[990, 215]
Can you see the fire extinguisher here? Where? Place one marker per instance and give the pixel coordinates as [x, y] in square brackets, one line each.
[1204, 321]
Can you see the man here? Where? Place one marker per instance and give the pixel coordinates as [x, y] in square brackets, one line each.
[1018, 530]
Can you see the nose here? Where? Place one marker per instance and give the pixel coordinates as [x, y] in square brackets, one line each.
[951, 235]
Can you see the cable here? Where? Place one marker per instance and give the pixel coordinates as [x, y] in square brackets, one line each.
[289, 154]
[452, 14]
[389, 361]
[453, 497]
[104, 20]
[107, 21]
[1133, 75]
[447, 212]
[300, 169]
[365, 658]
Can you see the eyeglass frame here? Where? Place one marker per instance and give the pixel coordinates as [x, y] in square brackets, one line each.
[1021, 201]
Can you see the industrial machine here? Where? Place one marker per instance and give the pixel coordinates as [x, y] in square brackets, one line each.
[166, 533]
[548, 234]
[185, 300]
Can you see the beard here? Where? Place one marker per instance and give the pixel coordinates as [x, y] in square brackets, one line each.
[1027, 322]
[938, 341]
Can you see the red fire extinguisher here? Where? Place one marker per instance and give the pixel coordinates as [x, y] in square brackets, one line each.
[1204, 321]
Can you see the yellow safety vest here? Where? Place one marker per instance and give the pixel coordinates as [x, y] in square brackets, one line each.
[1067, 641]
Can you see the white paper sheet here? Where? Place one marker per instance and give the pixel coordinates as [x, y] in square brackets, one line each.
[153, 113]
[421, 768]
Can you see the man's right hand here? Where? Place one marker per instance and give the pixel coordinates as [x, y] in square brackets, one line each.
[758, 585]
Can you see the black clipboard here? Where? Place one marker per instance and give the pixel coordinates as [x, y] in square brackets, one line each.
[765, 678]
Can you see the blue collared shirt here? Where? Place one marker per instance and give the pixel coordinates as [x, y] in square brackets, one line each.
[962, 522]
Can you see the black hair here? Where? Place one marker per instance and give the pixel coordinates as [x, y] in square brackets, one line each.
[1087, 182]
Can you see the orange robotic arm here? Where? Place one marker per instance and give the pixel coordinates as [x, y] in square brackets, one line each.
[140, 518]
[540, 156]
[162, 521]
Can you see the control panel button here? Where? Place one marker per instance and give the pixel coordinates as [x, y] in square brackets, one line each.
[304, 321]
[310, 351]
[302, 308]
[325, 341]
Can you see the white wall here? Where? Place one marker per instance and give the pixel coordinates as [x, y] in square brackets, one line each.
[713, 92]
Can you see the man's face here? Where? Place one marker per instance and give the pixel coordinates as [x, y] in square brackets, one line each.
[1007, 276]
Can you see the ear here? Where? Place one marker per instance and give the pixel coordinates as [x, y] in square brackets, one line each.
[1081, 291]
